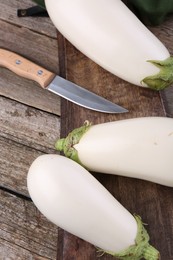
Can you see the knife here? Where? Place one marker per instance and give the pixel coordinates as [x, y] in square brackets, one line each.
[56, 84]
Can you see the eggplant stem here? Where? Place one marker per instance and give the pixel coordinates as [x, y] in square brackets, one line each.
[66, 145]
[141, 248]
[162, 79]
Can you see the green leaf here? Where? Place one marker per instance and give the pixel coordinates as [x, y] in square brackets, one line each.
[40, 3]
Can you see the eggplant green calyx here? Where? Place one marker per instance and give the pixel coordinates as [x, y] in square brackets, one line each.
[162, 79]
[66, 145]
[141, 250]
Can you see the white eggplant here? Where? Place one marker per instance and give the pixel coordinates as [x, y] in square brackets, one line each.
[111, 35]
[69, 196]
[139, 147]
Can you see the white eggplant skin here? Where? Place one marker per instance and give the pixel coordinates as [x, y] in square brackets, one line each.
[139, 147]
[111, 35]
[70, 197]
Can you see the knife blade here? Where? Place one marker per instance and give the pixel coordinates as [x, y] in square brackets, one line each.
[56, 84]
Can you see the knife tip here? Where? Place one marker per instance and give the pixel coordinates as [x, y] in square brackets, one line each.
[119, 110]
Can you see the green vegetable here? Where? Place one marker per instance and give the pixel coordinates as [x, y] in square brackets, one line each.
[40, 3]
[151, 12]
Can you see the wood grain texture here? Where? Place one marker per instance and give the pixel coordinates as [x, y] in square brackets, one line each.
[28, 92]
[34, 46]
[151, 201]
[42, 25]
[24, 232]
[28, 126]
[25, 133]
[15, 161]
[165, 33]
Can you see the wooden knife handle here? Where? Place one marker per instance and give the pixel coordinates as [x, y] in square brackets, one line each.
[25, 68]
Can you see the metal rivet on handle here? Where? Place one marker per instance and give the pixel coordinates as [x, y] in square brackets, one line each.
[18, 62]
[39, 72]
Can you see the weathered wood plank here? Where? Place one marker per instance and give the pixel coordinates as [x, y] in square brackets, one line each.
[28, 126]
[28, 92]
[167, 97]
[23, 127]
[26, 131]
[15, 161]
[146, 199]
[13, 252]
[164, 32]
[41, 25]
[24, 232]
[37, 47]
[140, 102]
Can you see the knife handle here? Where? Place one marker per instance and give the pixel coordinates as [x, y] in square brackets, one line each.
[25, 68]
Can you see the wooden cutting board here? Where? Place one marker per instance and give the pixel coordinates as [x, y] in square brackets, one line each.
[154, 203]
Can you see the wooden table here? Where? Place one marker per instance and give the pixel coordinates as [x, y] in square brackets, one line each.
[31, 119]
